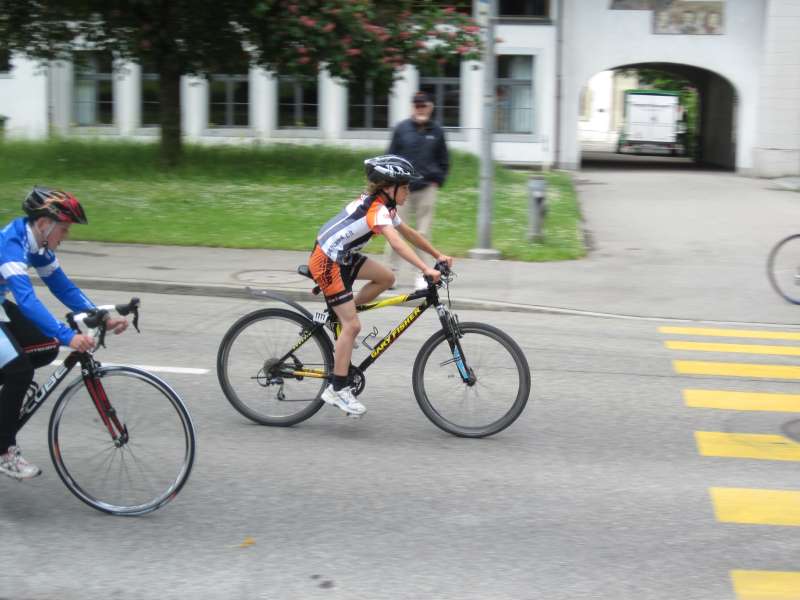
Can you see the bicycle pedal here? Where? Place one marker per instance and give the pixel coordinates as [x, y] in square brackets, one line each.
[353, 416]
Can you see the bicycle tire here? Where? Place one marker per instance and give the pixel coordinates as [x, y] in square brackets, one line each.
[264, 335]
[783, 268]
[496, 399]
[161, 437]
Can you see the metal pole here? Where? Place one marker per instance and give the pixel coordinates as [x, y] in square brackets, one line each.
[486, 12]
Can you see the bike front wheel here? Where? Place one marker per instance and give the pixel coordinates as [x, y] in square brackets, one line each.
[783, 268]
[497, 386]
[146, 461]
[272, 369]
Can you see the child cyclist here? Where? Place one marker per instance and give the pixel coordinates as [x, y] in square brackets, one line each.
[335, 262]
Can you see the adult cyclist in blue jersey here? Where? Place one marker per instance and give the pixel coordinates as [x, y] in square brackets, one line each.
[29, 334]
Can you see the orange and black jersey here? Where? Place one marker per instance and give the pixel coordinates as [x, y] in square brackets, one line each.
[351, 230]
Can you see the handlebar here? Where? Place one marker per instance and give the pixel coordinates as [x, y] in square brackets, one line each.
[96, 318]
[447, 273]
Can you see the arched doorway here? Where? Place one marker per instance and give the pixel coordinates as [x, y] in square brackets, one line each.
[706, 132]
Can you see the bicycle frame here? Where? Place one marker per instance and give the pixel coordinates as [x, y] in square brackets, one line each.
[118, 432]
[430, 298]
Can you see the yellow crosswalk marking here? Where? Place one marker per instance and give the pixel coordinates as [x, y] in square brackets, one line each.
[756, 506]
[766, 585]
[728, 400]
[699, 367]
[738, 348]
[746, 445]
[740, 333]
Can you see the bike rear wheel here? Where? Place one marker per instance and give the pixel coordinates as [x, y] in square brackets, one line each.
[495, 396]
[143, 469]
[251, 378]
[783, 268]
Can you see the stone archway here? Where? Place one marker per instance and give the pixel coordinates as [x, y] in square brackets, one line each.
[717, 139]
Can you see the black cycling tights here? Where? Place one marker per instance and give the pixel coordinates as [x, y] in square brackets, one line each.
[35, 350]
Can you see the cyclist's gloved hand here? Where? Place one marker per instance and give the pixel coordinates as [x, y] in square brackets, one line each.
[116, 324]
[81, 342]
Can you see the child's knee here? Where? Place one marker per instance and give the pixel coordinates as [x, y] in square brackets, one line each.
[351, 327]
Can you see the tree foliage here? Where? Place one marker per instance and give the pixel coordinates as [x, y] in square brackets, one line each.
[353, 39]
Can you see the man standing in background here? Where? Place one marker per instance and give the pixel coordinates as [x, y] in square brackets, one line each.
[421, 141]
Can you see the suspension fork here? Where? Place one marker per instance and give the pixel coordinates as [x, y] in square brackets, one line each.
[117, 431]
[450, 326]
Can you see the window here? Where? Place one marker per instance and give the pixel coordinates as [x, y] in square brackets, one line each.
[367, 107]
[297, 101]
[151, 92]
[444, 85]
[5, 60]
[524, 8]
[93, 95]
[229, 97]
[462, 6]
[514, 98]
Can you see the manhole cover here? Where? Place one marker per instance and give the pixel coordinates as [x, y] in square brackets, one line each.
[270, 277]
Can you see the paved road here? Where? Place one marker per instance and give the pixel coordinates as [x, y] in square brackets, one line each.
[598, 491]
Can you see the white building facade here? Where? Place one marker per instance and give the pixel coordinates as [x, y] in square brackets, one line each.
[747, 71]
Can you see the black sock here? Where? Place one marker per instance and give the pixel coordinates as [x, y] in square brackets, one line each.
[339, 382]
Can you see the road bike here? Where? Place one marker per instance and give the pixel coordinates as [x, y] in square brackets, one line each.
[783, 268]
[470, 379]
[120, 438]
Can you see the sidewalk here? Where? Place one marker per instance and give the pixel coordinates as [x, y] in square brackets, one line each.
[666, 244]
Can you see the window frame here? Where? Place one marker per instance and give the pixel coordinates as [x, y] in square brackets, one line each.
[90, 73]
[149, 76]
[547, 17]
[5, 63]
[369, 104]
[230, 82]
[439, 83]
[298, 83]
[513, 82]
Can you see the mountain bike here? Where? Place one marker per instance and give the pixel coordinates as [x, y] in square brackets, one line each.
[783, 268]
[120, 438]
[470, 379]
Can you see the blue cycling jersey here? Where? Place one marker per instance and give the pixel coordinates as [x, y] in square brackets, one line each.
[18, 252]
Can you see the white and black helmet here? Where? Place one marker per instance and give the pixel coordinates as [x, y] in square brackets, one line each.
[391, 169]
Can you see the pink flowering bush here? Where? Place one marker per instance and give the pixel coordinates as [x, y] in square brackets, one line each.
[360, 39]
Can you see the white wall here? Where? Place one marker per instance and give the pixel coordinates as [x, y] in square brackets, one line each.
[597, 38]
[777, 149]
[23, 99]
[540, 42]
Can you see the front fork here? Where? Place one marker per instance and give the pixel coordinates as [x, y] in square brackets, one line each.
[452, 330]
[117, 431]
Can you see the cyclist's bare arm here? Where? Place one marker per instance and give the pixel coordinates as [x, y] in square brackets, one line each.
[404, 250]
[416, 238]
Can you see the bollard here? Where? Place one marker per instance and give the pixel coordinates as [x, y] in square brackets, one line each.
[537, 207]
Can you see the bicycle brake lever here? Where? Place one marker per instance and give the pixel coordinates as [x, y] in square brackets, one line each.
[101, 342]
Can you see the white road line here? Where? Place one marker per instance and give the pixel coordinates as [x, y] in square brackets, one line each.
[154, 368]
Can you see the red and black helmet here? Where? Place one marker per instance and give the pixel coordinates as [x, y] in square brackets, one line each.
[54, 204]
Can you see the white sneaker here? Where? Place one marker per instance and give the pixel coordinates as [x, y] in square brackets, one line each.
[420, 283]
[344, 400]
[13, 465]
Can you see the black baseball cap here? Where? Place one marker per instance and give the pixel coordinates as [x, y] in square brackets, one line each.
[422, 98]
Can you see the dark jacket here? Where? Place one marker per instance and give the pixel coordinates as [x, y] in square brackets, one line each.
[424, 146]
